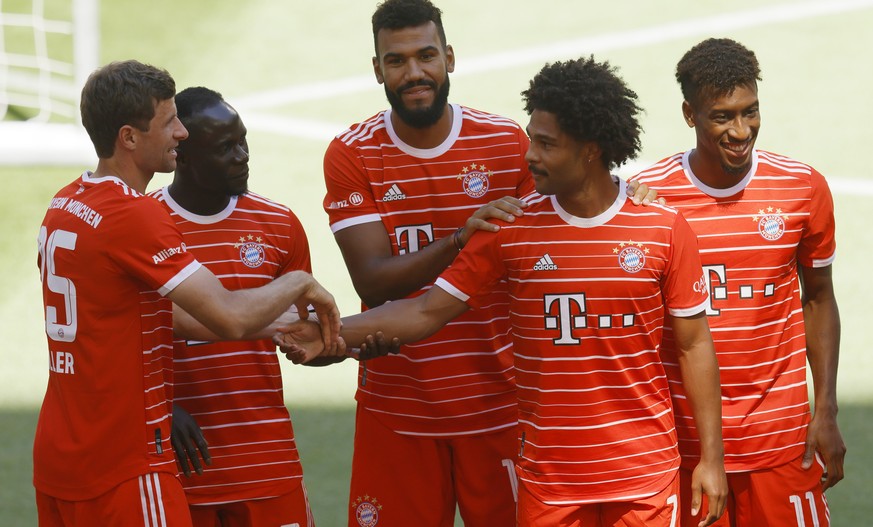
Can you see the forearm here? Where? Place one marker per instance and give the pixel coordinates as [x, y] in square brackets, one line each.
[408, 320]
[379, 275]
[700, 378]
[822, 322]
[186, 326]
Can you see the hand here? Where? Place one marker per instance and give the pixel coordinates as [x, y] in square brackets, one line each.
[506, 208]
[641, 194]
[711, 479]
[376, 346]
[303, 342]
[326, 310]
[187, 439]
[823, 435]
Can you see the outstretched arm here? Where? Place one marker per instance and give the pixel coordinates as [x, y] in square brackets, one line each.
[699, 370]
[379, 276]
[822, 319]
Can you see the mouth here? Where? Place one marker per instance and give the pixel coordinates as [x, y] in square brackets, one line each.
[737, 151]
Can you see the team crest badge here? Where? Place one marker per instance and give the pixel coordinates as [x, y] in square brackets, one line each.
[771, 223]
[251, 250]
[476, 180]
[631, 256]
[366, 511]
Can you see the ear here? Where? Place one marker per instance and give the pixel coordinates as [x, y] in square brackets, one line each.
[450, 59]
[377, 70]
[126, 138]
[688, 114]
[591, 150]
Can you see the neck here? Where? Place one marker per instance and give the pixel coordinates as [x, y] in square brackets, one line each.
[711, 172]
[195, 199]
[424, 138]
[594, 195]
[125, 171]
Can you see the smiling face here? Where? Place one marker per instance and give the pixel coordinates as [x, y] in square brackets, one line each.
[156, 147]
[216, 156]
[726, 126]
[414, 66]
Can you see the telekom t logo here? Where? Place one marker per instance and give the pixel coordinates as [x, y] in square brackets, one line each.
[413, 238]
[570, 315]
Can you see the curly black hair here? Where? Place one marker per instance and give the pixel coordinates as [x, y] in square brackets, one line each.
[715, 67]
[401, 14]
[194, 100]
[591, 103]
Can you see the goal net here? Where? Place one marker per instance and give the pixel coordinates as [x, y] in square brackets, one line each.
[47, 50]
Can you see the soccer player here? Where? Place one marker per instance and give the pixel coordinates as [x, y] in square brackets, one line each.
[406, 189]
[112, 264]
[232, 389]
[592, 281]
[765, 225]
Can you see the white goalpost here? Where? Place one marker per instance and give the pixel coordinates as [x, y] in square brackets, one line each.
[47, 50]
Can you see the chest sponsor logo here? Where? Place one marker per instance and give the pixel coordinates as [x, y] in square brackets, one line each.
[393, 194]
[475, 179]
[367, 511]
[771, 223]
[251, 250]
[631, 256]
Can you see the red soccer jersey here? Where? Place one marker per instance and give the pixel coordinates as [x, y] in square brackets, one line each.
[107, 255]
[588, 301]
[234, 388]
[461, 379]
[752, 237]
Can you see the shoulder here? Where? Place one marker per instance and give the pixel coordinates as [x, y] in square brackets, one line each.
[362, 132]
[478, 118]
[255, 200]
[662, 171]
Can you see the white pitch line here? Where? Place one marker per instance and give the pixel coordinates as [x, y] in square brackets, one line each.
[571, 48]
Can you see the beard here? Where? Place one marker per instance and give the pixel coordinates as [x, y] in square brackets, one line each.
[736, 171]
[420, 117]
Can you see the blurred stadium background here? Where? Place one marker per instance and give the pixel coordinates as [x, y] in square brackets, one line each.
[300, 72]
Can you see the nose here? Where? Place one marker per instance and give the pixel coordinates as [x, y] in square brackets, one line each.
[181, 133]
[242, 154]
[414, 71]
[740, 129]
[530, 156]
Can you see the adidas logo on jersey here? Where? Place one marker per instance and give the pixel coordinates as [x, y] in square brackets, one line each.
[545, 264]
[393, 194]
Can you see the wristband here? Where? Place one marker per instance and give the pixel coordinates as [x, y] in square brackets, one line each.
[456, 238]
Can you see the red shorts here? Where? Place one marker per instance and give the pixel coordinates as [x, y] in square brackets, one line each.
[400, 479]
[660, 510]
[287, 510]
[151, 500]
[785, 496]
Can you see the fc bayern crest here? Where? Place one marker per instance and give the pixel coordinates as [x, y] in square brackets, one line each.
[475, 179]
[251, 251]
[771, 223]
[631, 256]
[366, 511]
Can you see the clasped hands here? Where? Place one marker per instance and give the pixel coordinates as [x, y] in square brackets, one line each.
[302, 342]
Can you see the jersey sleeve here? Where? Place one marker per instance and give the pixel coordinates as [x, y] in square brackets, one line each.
[818, 244]
[475, 270]
[149, 246]
[298, 258]
[349, 199]
[683, 285]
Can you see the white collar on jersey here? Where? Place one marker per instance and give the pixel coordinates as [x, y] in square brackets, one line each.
[196, 218]
[719, 192]
[601, 218]
[429, 153]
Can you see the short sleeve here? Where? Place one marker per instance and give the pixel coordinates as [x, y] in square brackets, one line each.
[683, 285]
[349, 199]
[817, 244]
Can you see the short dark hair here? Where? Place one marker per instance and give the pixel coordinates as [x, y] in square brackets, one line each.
[590, 103]
[715, 67]
[400, 14]
[119, 94]
[193, 100]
